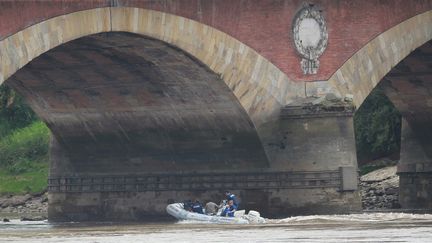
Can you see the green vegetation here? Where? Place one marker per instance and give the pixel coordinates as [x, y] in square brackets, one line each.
[23, 146]
[35, 180]
[20, 149]
[14, 113]
[377, 125]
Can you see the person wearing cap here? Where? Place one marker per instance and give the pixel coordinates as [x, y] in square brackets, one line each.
[231, 196]
[229, 209]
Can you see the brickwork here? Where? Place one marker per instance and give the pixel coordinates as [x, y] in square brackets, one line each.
[263, 25]
[259, 85]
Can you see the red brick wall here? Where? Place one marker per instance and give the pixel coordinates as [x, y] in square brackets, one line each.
[17, 15]
[264, 25]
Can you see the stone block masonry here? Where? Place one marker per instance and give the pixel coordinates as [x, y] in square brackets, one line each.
[194, 89]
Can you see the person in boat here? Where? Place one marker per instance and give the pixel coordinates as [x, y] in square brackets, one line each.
[231, 196]
[211, 208]
[197, 207]
[188, 205]
[229, 209]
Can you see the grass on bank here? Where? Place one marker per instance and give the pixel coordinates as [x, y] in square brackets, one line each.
[24, 159]
[35, 180]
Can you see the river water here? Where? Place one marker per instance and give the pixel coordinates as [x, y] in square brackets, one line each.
[371, 227]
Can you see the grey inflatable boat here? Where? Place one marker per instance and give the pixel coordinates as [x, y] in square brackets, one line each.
[177, 210]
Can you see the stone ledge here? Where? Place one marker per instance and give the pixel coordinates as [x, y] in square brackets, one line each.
[315, 111]
[194, 182]
[329, 105]
[414, 168]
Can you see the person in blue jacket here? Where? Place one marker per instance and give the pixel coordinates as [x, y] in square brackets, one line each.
[231, 196]
[229, 209]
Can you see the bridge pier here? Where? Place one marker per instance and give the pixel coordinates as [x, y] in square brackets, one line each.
[144, 197]
[415, 167]
[312, 170]
[318, 137]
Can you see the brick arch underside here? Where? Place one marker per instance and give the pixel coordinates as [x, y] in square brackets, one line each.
[260, 88]
[121, 102]
[409, 86]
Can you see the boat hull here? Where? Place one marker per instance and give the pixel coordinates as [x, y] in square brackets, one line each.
[177, 210]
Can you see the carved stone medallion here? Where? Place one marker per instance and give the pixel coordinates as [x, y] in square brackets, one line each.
[310, 37]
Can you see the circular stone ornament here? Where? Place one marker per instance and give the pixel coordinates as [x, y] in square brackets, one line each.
[310, 37]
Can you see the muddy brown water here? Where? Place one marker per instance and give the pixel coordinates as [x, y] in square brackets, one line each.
[370, 227]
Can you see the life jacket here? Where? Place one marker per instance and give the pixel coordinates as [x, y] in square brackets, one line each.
[231, 196]
[229, 211]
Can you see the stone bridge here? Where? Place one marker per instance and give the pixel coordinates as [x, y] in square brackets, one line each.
[155, 101]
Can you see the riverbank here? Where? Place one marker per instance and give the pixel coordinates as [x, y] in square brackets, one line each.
[380, 189]
[27, 207]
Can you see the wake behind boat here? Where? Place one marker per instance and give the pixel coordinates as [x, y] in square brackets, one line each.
[178, 211]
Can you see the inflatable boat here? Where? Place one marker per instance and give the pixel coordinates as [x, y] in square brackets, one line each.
[177, 211]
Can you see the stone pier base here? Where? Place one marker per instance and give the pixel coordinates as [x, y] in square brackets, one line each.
[311, 169]
[415, 167]
[145, 197]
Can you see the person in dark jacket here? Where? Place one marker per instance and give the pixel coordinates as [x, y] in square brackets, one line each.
[229, 209]
[188, 204]
[231, 196]
[197, 207]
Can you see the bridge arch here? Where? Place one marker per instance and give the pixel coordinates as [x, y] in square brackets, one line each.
[399, 62]
[368, 66]
[260, 87]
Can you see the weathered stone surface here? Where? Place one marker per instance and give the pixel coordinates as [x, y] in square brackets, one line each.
[380, 189]
[25, 206]
[150, 205]
[307, 133]
[14, 201]
[380, 174]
